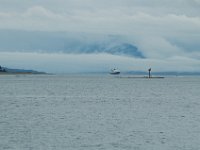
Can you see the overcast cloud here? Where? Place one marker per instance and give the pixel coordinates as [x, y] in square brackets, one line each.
[164, 30]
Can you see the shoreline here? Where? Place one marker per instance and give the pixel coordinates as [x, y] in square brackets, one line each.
[20, 73]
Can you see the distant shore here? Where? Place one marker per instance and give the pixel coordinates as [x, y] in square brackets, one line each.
[20, 73]
[9, 71]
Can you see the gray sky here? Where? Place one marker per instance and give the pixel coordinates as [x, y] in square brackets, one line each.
[164, 30]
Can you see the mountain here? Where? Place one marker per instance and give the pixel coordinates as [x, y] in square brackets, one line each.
[52, 42]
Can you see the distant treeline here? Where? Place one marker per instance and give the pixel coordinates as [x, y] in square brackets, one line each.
[2, 69]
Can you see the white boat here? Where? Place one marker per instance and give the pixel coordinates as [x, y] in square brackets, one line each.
[115, 71]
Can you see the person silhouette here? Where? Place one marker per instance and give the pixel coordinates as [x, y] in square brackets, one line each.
[149, 72]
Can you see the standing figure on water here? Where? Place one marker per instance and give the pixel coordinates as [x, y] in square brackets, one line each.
[149, 72]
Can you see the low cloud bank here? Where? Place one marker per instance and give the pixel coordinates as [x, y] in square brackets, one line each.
[157, 36]
[83, 63]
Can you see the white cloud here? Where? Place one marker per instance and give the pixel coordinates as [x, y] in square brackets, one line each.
[161, 29]
[157, 47]
[109, 20]
[41, 12]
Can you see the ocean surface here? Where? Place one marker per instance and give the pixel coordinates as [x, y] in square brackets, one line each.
[99, 112]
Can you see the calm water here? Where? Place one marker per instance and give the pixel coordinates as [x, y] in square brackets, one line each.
[99, 112]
